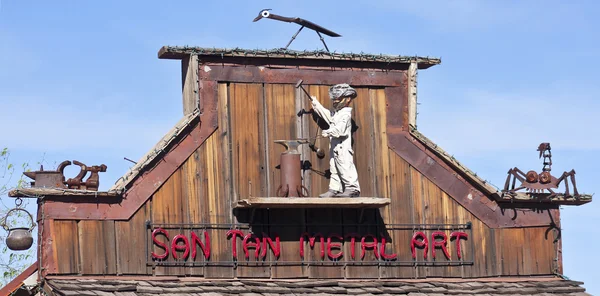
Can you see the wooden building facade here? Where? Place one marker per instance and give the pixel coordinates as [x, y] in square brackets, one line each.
[203, 203]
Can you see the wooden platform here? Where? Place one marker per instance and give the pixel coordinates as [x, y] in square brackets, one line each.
[313, 202]
[543, 198]
[39, 192]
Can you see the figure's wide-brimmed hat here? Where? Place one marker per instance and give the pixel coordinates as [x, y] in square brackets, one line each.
[341, 91]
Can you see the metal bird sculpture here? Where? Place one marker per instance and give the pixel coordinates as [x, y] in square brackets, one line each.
[265, 13]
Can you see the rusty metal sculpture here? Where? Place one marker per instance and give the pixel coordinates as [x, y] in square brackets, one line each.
[542, 183]
[265, 13]
[290, 168]
[56, 179]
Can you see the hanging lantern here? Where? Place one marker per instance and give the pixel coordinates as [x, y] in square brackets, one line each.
[19, 238]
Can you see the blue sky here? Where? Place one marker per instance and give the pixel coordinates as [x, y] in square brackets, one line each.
[81, 80]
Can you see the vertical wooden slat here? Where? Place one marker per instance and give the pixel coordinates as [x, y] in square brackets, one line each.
[318, 183]
[97, 247]
[218, 209]
[66, 246]
[167, 208]
[363, 142]
[190, 182]
[131, 243]
[248, 156]
[282, 123]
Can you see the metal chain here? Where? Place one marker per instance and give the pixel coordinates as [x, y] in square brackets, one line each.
[547, 160]
[18, 202]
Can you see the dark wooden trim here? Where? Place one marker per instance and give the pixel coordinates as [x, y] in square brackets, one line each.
[457, 187]
[57, 193]
[297, 58]
[150, 181]
[17, 282]
[325, 76]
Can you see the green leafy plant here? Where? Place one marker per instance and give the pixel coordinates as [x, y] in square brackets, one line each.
[11, 263]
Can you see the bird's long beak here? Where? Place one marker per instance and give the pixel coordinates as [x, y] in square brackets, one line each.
[257, 18]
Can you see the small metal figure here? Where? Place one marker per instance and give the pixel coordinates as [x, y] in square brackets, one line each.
[344, 178]
[265, 13]
[535, 183]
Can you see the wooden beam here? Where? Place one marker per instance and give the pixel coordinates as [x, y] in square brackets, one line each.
[301, 58]
[261, 74]
[542, 199]
[313, 202]
[189, 84]
[49, 192]
[412, 94]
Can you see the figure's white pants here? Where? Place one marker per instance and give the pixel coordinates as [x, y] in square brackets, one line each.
[343, 171]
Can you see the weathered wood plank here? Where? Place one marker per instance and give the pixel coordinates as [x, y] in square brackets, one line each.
[400, 212]
[313, 202]
[189, 83]
[218, 210]
[318, 177]
[66, 246]
[97, 247]
[167, 208]
[280, 124]
[56, 192]
[247, 133]
[363, 141]
[131, 241]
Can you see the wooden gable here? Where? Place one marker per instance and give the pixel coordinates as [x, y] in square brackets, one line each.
[235, 105]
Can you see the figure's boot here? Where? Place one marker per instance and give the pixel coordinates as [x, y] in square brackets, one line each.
[349, 193]
[330, 193]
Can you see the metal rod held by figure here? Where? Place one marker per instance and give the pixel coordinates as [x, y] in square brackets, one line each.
[320, 152]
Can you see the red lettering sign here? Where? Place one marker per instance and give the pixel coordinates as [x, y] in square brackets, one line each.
[385, 256]
[331, 245]
[364, 245]
[311, 242]
[441, 244]
[175, 247]
[458, 235]
[155, 233]
[415, 242]
[205, 247]
[275, 248]
[181, 246]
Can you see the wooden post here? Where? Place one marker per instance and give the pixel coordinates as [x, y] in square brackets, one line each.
[412, 94]
[189, 83]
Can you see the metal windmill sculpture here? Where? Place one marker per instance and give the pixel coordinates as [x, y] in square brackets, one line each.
[265, 13]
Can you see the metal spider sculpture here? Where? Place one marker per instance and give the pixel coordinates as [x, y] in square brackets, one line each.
[535, 183]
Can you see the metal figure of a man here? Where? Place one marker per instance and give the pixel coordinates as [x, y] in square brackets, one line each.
[344, 178]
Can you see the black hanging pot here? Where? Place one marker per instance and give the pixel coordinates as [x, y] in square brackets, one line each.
[19, 238]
